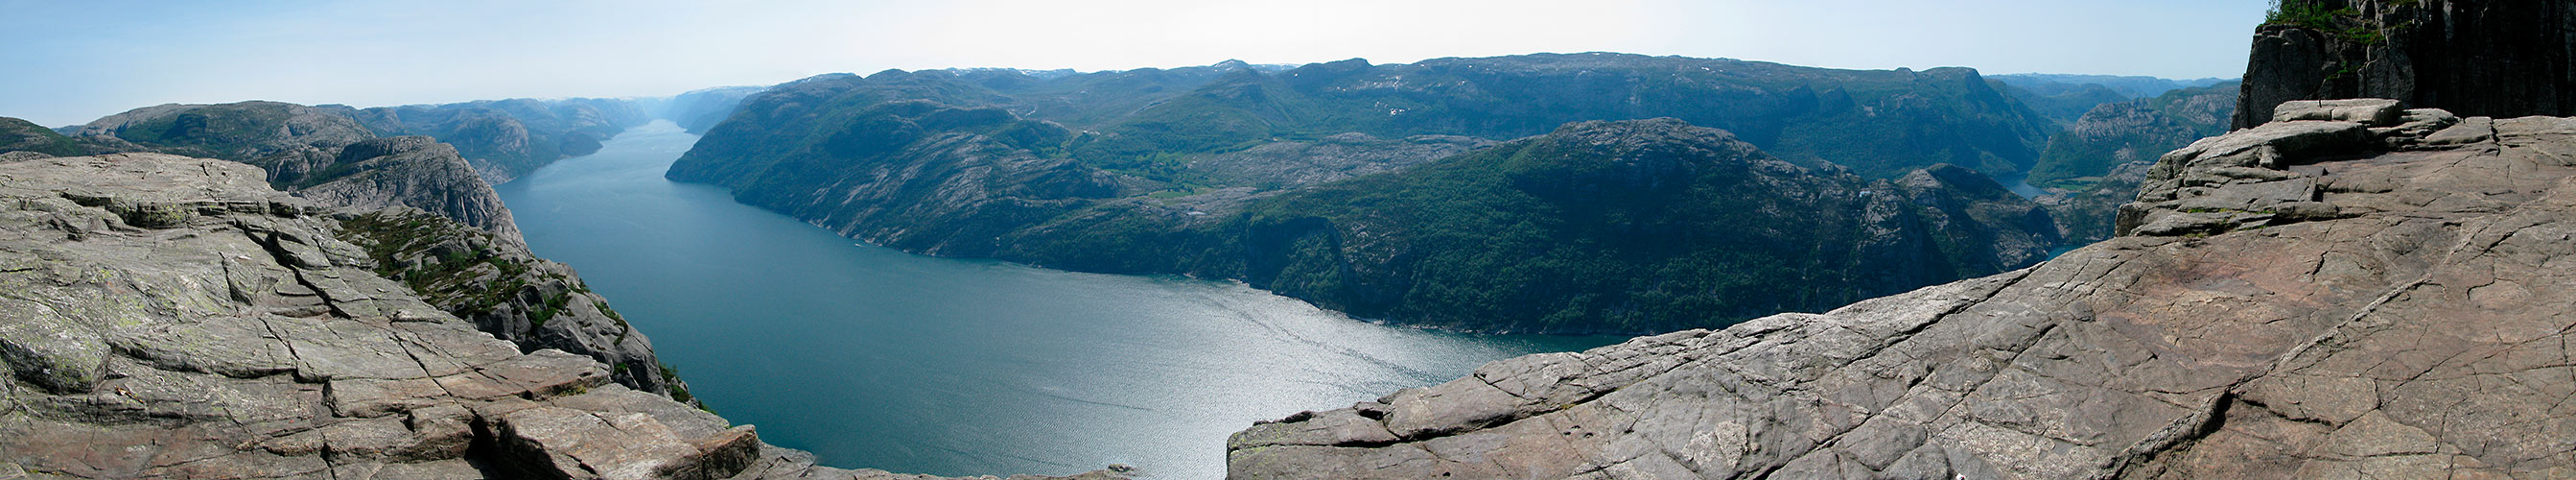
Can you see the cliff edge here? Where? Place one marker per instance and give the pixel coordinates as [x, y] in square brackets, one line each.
[2495, 58]
[2355, 290]
[173, 317]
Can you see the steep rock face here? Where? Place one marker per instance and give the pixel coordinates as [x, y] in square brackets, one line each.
[416, 172]
[172, 317]
[925, 177]
[495, 283]
[2497, 58]
[320, 149]
[2365, 304]
[507, 292]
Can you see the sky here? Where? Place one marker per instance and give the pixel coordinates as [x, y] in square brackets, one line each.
[74, 61]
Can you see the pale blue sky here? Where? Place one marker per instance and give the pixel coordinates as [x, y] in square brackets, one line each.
[73, 61]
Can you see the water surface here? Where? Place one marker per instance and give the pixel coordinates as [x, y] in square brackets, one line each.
[874, 358]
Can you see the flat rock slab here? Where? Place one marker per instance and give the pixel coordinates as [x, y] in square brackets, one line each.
[2368, 306]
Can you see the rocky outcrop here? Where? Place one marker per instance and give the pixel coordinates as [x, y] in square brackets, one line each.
[172, 317]
[2496, 58]
[320, 152]
[2307, 299]
[502, 289]
[416, 172]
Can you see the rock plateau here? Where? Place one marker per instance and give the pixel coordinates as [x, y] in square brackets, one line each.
[2353, 291]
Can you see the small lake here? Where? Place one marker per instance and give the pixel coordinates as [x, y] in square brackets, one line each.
[874, 358]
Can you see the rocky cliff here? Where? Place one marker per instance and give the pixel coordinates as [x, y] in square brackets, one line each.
[2498, 58]
[317, 149]
[2354, 291]
[488, 276]
[171, 317]
[416, 172]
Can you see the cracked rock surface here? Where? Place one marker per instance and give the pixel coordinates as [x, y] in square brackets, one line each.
[2355, 293]
[173, 317]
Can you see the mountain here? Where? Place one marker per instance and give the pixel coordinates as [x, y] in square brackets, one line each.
[317, 151]
[2133, 131]
[1386, 228]
[19, 135]
[1150, 123]
[172, 317]
[698, 110]
[504, 139]
[2498, 58]
[416, 172]
[1627, 226]
[1160, 171]
[2368, 293]
[2064, 105]
[232, 131]
[2066, 98]
[2133, 87]
[2097, 163]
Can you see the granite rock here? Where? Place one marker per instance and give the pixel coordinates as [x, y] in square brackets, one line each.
[172, 317]
[2414, 331]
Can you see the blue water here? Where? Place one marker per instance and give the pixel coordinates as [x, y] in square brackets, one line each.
[874, 358]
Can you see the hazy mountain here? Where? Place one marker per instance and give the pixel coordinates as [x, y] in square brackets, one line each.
[507, 138]
[2129, 86]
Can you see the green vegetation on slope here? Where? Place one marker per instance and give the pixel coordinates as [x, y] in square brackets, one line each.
[2132, 132]
[21, 135]
[1180, 171]
[1627, 227]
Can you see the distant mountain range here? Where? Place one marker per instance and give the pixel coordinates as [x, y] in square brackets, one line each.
[1292, 178]
[1386, 190]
